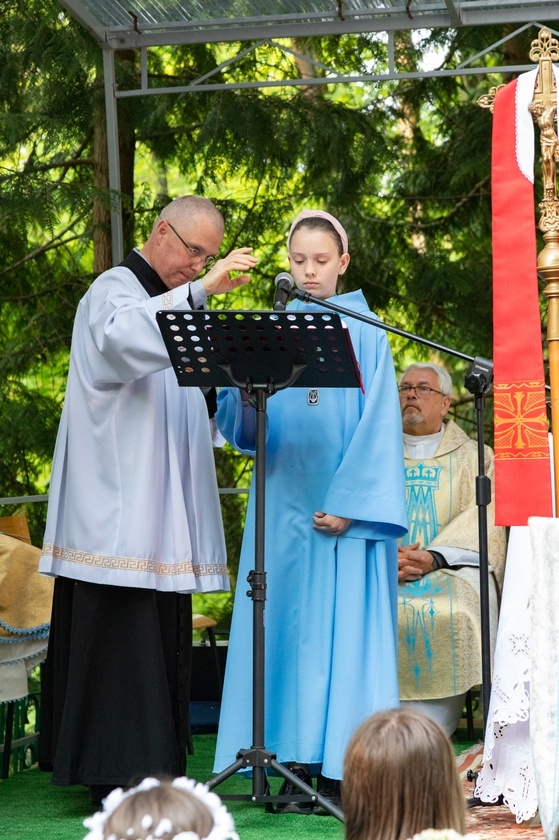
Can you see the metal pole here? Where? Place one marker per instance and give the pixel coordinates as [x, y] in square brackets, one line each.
[483, 499]
[114, 156]
[258, 594]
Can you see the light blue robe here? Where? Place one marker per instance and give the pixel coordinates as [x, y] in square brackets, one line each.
[331, 601]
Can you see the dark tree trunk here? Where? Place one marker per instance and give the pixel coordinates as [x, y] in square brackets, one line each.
[102, 247]
[126, 70]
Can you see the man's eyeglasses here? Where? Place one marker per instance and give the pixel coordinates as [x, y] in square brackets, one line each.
[194, 253]
[419, 390]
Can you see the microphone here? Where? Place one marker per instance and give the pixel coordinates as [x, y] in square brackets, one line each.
[284, 283]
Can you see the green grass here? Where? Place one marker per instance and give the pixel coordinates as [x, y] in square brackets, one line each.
[33, 809]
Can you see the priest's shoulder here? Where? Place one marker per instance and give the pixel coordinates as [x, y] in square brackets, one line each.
[119, 278]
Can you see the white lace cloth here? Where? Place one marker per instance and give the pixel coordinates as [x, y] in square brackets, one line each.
[508, 766]
[544, 693]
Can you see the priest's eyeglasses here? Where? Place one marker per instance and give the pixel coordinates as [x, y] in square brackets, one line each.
[419, 390]
[194, 253]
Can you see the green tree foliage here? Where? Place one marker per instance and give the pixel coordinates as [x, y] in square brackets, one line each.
[438, 226]
[404, 164]
[47, 71]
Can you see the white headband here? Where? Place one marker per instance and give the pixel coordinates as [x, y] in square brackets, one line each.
[320, 214]
[223, 826]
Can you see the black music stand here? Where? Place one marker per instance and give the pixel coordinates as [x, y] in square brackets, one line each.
[261, 353]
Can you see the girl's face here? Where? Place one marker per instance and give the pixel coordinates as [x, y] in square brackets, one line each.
[315, 262]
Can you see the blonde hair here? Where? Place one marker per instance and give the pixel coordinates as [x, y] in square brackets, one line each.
[400, 778]
[170, 808]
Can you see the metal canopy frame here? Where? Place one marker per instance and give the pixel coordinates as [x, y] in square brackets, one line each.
[142, 24]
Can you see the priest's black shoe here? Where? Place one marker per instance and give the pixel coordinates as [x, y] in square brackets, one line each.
[289, 789]
[474, 802]
[331, 790]
[97, 794]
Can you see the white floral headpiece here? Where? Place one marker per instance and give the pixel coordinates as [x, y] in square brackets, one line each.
[223, 826]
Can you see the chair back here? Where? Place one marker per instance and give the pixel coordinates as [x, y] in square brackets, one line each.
[15, 526]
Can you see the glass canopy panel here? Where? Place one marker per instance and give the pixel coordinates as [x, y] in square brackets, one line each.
[132, 23]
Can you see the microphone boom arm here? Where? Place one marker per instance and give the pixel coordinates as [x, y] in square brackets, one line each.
[308, 298]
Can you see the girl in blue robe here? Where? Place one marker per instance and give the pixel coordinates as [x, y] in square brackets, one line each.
[335, 507]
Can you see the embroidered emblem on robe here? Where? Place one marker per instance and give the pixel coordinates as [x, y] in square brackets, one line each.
[313, 396]
[421, 484]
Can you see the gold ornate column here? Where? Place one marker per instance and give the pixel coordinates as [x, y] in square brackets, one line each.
[545, 49]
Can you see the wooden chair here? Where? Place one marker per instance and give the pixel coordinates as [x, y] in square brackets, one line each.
[204, 622]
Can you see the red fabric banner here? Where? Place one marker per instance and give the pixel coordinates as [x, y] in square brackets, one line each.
[522, 465]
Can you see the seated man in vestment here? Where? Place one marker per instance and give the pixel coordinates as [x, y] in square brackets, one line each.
[439, 629]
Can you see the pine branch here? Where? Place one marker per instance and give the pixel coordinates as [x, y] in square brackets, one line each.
[72, 162]
[436, 222]
[66, 164]
[57, 242]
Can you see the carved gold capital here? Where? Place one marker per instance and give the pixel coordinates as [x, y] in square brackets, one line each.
[544, 46]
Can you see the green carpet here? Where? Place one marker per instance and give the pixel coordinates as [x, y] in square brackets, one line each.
[33, 809]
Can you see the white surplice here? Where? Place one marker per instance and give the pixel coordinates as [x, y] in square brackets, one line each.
[133, 495]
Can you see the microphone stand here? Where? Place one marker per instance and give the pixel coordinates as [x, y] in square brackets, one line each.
[478, 382]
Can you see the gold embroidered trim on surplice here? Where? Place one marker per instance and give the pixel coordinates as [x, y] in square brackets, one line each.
[133, 564]
[167, 300]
